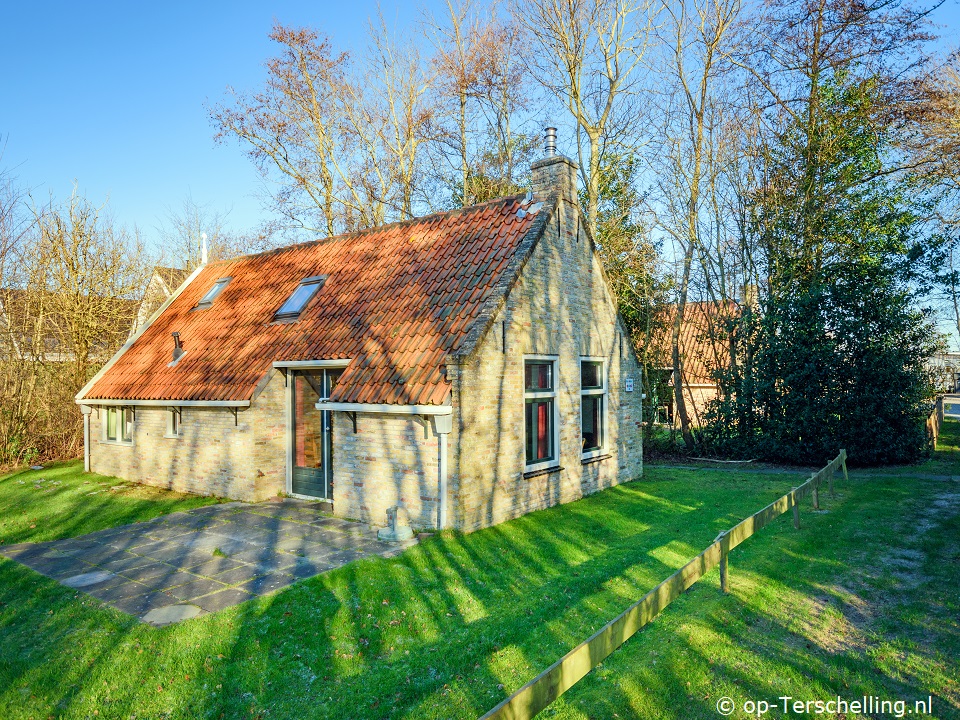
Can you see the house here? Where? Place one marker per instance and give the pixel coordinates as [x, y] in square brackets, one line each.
[163, 283]
[469, 366]
[705, 348]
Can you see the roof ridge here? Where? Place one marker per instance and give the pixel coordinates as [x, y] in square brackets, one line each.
[489, 310]
[375, 228]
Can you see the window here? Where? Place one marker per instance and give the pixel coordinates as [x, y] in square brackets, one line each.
[304, 293]
[207, 300]
[540, 402]
[119, 425]
[592, 400]
[173, 422]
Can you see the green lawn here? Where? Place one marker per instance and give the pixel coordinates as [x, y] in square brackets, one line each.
[863, 600]
[63, 501]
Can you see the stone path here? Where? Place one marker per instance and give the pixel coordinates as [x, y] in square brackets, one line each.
[190, 563]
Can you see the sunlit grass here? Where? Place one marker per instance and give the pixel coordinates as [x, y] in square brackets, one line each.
[450, 627]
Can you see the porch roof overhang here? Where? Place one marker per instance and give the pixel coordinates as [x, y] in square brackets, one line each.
[386, 408]
[311, 364]
[164, 403]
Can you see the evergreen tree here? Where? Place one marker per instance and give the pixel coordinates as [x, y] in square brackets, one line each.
[834, 356]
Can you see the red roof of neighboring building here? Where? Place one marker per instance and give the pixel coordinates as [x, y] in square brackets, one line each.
[398, 300]
[704, 340]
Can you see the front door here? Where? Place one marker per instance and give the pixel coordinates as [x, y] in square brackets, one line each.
[312, 434]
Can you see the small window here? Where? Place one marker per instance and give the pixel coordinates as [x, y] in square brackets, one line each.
[304, 293]
[119, 424]
[207, 300]
[540, 402]
[173, 422]
[592, 402]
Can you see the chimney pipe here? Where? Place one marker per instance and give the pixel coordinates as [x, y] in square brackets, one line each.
[550, 141]
[177, 347]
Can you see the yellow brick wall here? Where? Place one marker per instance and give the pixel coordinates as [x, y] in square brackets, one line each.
[215, 455]
[560, 306]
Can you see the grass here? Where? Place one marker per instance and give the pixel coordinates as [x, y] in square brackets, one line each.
[63, 501]
[863, 600]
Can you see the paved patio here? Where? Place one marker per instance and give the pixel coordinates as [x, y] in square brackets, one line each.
[190, 563]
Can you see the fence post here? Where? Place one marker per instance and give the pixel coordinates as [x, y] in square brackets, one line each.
[830, 474]
[844, 454]
[723, 561]
[796, 508]
[816, 492]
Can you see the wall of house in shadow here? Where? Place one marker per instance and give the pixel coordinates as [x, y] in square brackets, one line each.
[240, 457]
[561, 307]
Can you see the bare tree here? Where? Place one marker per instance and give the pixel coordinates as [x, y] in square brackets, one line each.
[695, 38]
[588, 54]
[481, 86]
[184, 231]
[294, 126]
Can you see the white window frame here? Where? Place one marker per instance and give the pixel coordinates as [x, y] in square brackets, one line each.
[533, 394]
[602, 391]
[174, 422]
[120, 411]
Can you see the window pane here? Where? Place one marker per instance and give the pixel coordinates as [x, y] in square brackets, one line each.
[300, 297]
[591, 374]
[127, 415]
[591, 422]
[214, 291]
[539, 430]
[111, 423]
[538, 376]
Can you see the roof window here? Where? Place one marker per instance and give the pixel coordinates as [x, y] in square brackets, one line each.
[298, 300]
[207, 300]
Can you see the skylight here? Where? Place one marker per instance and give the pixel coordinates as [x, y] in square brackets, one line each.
[207, 300]
[298, 300]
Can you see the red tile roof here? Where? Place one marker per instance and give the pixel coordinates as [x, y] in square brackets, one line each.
[704, 340]
[398, 300]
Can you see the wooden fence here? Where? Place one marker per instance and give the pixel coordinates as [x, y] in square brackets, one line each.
[537, 694]
[934, 421]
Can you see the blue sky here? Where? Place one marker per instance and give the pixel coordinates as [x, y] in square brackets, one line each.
[111, 95]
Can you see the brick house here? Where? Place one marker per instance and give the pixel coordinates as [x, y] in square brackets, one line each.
[469, 366]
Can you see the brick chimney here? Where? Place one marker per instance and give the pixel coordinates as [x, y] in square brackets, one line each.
[554, 173]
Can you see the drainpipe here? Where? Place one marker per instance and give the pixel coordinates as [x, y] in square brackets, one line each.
[442, 424]
[86, 410]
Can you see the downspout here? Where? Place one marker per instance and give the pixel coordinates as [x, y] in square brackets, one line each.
[86, 410]
[442, 424]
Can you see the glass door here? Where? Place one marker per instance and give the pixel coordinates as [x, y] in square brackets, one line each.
[312, 434]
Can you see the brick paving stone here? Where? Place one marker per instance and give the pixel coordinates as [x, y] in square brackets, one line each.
[140, 604]
[128, 562]
[195, 588]
[305, 568]
[268, 583]
[148, 572]
[213, 566]
[239, 575]
[117, 589]
[222, 599]
[172, 580]
[58, 569]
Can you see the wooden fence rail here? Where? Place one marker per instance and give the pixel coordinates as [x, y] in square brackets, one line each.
[537, 694]
[934, 421]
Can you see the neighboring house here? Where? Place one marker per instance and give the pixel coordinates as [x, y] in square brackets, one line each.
[163, 284]
[469, 366]
[944, 371]
[705, 347]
